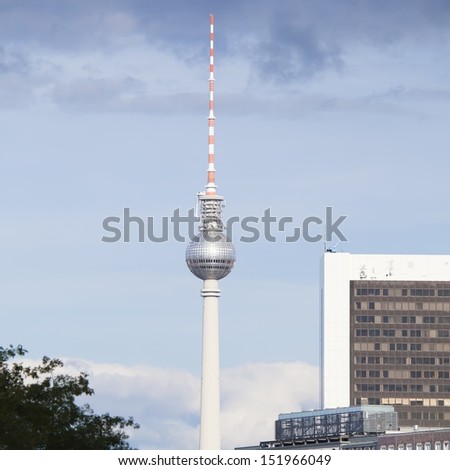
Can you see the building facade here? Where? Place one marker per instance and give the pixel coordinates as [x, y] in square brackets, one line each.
[366, 427]
[385, 334]
[431, 439]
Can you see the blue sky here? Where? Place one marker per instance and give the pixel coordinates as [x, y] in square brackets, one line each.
[103, 106]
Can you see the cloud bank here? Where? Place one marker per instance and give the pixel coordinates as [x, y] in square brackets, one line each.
[165, 402]
[147, 57]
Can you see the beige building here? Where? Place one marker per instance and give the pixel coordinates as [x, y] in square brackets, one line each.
[385, 335]
[400, 348]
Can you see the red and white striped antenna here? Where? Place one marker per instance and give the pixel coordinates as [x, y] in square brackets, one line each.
[211, 185]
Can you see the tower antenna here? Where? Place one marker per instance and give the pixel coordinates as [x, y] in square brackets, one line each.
[211, 185]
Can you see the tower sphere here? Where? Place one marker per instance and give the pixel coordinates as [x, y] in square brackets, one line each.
[210, 255]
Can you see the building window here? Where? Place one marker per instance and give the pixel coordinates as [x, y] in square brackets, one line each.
[423, 361]
[416, 374]
[443, 333]
[443, 374]
[437, 445]
[422, 292]
[415, 347]
[411, 319]
[367, 291]
[394, 360]
[365, 319]
[367, 388]
[373, 360]
[394, 388]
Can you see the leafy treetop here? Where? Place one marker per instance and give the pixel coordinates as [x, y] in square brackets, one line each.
[38, 409]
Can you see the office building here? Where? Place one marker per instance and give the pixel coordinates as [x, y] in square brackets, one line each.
[385, 334]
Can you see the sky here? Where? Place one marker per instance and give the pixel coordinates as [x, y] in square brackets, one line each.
[103, 107]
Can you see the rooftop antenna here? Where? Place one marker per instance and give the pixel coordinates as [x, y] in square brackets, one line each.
[332, 249]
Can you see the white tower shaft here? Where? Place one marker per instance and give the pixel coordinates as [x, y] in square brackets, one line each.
[210, 384]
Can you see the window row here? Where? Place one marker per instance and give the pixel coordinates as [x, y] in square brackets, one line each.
[404, 388]
[403, 306]
[401, 374]
[413, 319]
[404, 292]
[396, 360]
[366, 346]
[402, 400]
[418, 445]
[391, 333]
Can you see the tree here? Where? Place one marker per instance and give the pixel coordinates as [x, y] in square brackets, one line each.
[38, 409]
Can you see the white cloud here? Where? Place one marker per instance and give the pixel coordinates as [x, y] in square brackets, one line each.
[165, 402]
[254, 394]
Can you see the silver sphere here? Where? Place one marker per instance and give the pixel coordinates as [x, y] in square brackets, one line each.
[210, 255]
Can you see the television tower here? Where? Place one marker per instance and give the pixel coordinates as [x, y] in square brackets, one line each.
[210, 256]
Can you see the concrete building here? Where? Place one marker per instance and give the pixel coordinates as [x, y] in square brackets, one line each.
[367, 427]
[385, 334]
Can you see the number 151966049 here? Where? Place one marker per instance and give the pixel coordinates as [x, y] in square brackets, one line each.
[288, 459]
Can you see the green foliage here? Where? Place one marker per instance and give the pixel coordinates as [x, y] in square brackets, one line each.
[38, 409]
